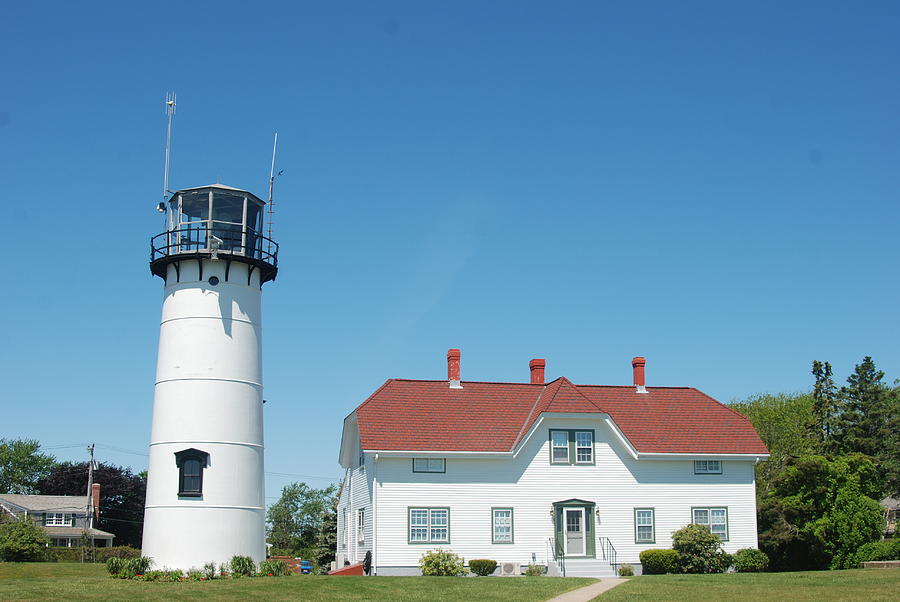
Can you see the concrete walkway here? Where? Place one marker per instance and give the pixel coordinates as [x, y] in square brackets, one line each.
[583, 594]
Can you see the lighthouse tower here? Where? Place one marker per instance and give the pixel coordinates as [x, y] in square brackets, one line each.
[205, 490]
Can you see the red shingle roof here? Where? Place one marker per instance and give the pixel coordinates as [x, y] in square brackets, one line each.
[424, 415]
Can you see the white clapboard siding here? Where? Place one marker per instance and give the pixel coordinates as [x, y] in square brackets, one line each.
[356, 493]
[617, 484]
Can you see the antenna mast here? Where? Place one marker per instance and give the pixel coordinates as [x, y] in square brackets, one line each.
[272, 192]
[170, 113]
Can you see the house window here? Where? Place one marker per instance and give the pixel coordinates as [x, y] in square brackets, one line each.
[502, 525]
[644, 526]
[571, 447]
[714, 518]
[361, 525]
[559, 442]
[429, 525]
[429, 465]
[707, 467]
[584, 447]
[191, 463]
[58, 519]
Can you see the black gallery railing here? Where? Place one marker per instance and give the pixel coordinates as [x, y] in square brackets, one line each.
[220, 238]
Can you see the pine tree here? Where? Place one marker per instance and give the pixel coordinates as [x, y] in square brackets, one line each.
[869, 422]
[825, 403]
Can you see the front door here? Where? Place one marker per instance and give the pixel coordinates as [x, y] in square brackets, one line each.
[574, 531]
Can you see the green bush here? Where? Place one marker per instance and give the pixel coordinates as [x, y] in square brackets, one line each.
[209, 569]
[535, 570]
[626, 570]
[750, 560]
[91, 554]
[242, 566]
[114, 565]
[483, 567]
[659, 562]
[274, 568]
[22, 541]
[699, 550]
[442, 563]
[888, 549]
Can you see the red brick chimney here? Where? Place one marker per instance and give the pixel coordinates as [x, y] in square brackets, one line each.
[638, 364]
[537, 371]
[95, 500]
[453, 368]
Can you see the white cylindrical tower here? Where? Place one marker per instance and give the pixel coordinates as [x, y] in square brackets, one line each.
[205, 489]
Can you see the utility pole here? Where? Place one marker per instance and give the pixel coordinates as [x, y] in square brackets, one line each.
[89, 509]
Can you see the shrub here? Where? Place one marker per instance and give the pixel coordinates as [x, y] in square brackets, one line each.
[209, 569]
[750, 560]
[626, 570]
[138, 565]
[482, 567]
[274, 568]
[876, 550]
[102, 554]
[22, 541]
[535, 570]
[242, 566]
[442, 563]
[659, 562]
[114, 565]
[699, 550]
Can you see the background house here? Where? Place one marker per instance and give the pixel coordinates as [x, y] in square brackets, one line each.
[579, 478]
[66, 519]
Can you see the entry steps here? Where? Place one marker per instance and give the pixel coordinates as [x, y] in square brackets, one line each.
[588, 567]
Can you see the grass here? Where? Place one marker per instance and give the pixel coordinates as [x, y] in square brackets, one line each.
[858, 584]
[33, 581]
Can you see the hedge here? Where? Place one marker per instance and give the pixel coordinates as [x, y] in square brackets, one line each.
[659, 562]
[91, 554]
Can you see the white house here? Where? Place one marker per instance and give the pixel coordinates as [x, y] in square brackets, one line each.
[578, 478]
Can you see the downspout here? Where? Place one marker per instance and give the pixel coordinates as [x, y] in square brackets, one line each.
[375, 515]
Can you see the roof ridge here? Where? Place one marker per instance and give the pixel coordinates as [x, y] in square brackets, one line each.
[478, 382]
[568, 383]
[528, 418]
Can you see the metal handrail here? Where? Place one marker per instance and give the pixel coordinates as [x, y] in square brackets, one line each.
[559, 555]
[241, 242]
[609, 552]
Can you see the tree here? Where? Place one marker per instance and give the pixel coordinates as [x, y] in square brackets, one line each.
[122, 496]
[825, 403]
[297, 517]
[785, 423]
[819, 511]
[326, 538]
[22, 541]
[870, 421]
[21, 466]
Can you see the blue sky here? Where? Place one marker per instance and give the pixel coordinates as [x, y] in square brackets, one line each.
[711, 185]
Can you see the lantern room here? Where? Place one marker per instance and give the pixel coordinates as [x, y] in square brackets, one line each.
[214, 222]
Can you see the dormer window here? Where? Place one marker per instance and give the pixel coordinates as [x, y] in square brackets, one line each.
[191, 463]
[572, 446]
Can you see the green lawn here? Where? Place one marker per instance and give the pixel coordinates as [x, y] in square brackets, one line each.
[859, 584]
[33, 581]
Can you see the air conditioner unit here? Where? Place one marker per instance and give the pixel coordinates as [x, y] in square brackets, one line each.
[509, 569]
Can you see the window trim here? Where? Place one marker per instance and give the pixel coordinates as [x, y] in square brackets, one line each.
[572, 447]
[709, 509]
[637, 538]
[181, 457]
[50, 519]
[577, 447]
[429, 541]
[360, 525]
[706, 462]
[512, 525]
[443, 465]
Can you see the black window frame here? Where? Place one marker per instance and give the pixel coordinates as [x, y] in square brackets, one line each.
[182, 458]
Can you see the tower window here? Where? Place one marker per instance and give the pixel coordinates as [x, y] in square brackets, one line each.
[191, 463]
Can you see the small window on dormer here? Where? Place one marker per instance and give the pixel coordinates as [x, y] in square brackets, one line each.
[707, 467]
[191, 463]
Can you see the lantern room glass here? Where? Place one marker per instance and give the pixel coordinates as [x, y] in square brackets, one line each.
[233, 217]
